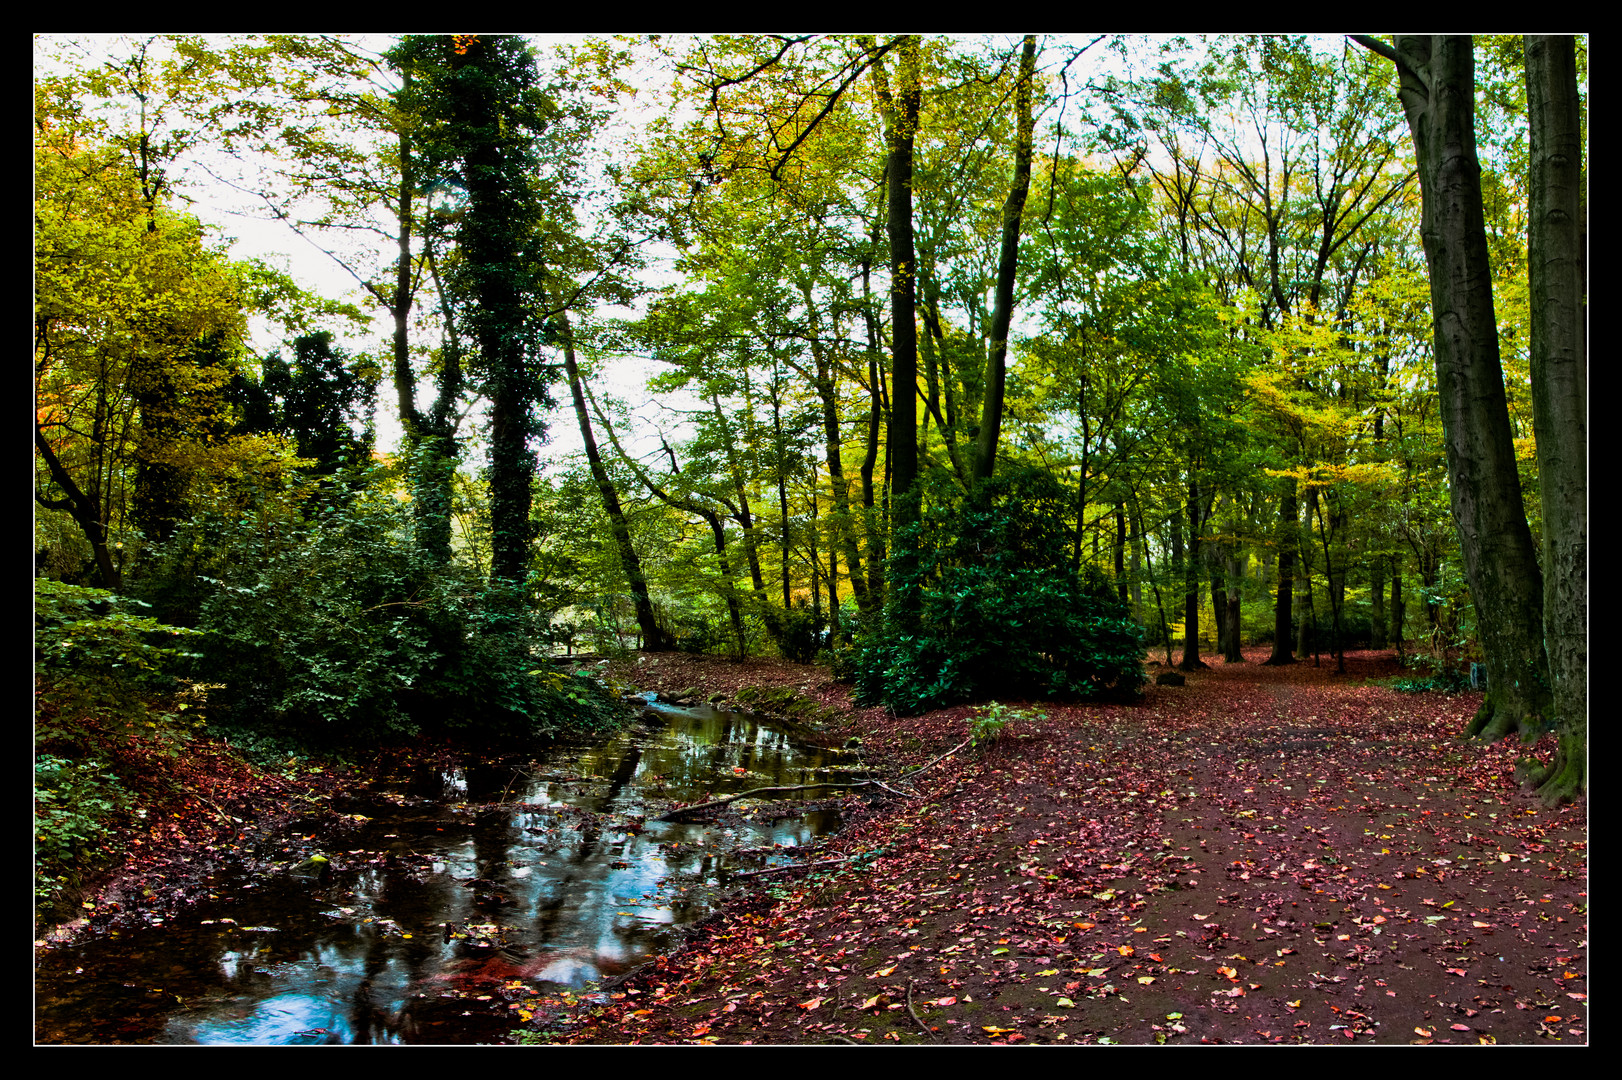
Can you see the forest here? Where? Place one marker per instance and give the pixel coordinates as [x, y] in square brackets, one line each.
[961, 370]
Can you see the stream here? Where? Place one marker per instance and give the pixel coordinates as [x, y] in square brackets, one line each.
[531, 876]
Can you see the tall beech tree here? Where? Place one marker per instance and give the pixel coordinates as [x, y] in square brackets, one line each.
[1437, 88]
[1558, 228]
[900, 108]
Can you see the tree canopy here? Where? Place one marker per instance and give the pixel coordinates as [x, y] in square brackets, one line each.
[968, 366]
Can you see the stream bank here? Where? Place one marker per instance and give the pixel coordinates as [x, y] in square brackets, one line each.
[443, 893]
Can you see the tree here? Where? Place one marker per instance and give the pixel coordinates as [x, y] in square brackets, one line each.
[900, 129]
[324, 400]
[481, 108]
[654, 638]
[985, 448]
[1437, 89]
[136, 331]
[1277, 206]
[1560, 392]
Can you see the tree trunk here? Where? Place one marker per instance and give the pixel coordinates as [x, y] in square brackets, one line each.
[843, 533]
[654, 638]
[1438, 94]
[985, 449]
[901, 126]
[1560, 394]
[1283, 627]
[1233, 650]
[1377, 636]
[1396, 608]
[1120, 552]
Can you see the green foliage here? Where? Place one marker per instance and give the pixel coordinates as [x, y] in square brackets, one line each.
[801, 633]
[332, 630]
[73, 802]
[1002, 610]
[88, 633]
[1433, 676]
[986, 726]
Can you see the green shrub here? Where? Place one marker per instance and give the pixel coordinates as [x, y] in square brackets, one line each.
[330, 630]
[89, 633]
[986, 726]
[1002, 611]
[801, 633]
[72, 804]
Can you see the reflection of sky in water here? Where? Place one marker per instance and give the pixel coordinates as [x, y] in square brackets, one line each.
[582, 886]
[279, 1020]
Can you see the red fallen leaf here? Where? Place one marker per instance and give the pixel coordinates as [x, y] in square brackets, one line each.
[1460, 1027]
[944, 1001]
[1457, 971]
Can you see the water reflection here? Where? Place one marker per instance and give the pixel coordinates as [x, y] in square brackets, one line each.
[447, 898]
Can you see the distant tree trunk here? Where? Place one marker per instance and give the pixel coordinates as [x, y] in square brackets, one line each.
[729, 587]
[1437, 89]
[1560, 394]
[1197, 517]
[844, 527]
[1396, 607]
[1282, 615]
[1120, 551]
[870, 598]
[654, 638]
[1377, 635]
[1233, 651]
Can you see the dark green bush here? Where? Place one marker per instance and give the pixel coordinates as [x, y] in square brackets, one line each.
[331, 630]
[92, 633]
[801, 633]
[1003, 612]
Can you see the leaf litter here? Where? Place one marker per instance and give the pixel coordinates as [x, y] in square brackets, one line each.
[1265, 855]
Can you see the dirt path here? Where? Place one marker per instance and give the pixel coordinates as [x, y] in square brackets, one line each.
[1263, 855]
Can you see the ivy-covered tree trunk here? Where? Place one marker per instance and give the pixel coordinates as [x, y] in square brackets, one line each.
[1437, 89]
[480, 108]
[1560, 394]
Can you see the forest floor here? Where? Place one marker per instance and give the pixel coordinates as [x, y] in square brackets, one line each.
[1264, 855]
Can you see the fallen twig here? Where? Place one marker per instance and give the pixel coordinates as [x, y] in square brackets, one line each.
[696, 807]
[914, 1015]
[937, 761]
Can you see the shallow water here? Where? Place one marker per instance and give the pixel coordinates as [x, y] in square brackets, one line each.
[464, 882]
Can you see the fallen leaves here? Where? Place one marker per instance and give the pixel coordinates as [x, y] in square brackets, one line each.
[1336, 799]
